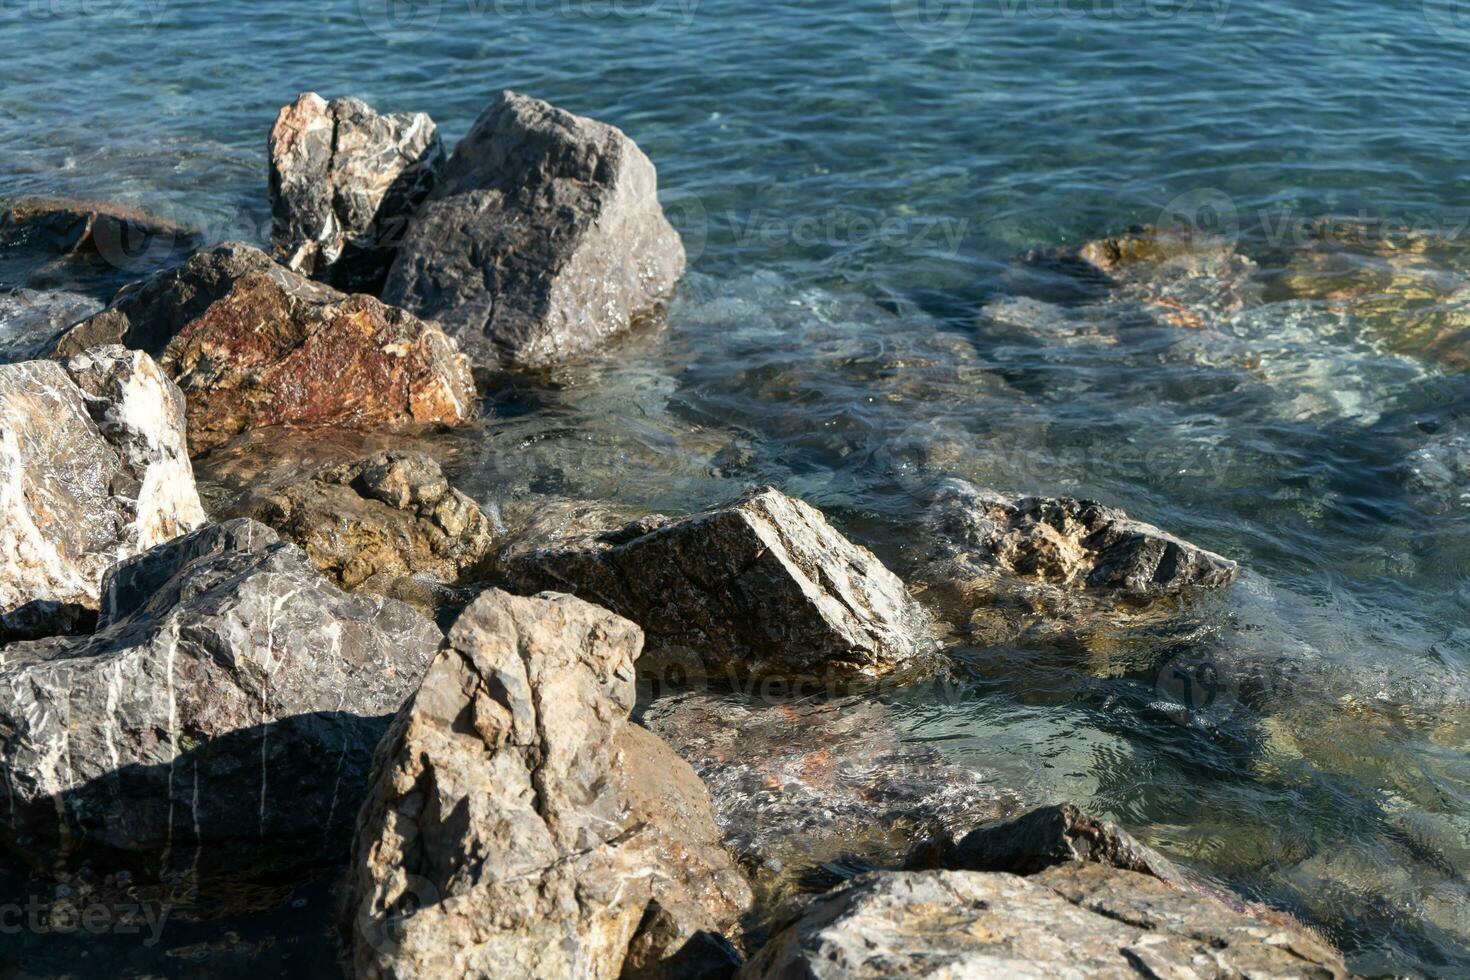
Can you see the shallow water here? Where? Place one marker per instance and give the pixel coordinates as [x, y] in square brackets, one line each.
[855, 183]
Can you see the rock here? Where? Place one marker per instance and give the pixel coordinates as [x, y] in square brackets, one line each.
[761, 586]
[344, 182]
[518, 826]
[92, 470]
[371, 524]
[1040, 839]
[1077, 544]
[31, 320]
[543, 239]
[806, 789]
[90, 246]
[229, 694]
[254, 344]
[1078, 920]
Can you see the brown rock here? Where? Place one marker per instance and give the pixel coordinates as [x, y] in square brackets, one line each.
[254, 344]
[373, 523]
[518, 827]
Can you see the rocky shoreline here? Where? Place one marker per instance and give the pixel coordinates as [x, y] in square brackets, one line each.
[519, 747]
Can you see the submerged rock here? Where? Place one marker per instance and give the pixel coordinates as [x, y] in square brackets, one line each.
[543, 239]
[93, 469]
[1077, 544]
[344, 182]
[800, 786]
[91, 246]
[1039, 839]
[377, 523]
[229, 694]
[761, 586]
[32, 319]
[1057, 568]
[519, 826]
[253, 344]
[1083, 920]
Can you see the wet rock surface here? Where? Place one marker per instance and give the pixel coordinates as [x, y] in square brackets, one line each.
[388, 523]
[1051, 567]
[229, 694]
[762, 586]
[93, 469]
[253, 344]
[344, 182]
[1073, 920]
[518, 825]
[543, 238]
[800, 785]
[1039, 839]
[89, 246]
[32, 319]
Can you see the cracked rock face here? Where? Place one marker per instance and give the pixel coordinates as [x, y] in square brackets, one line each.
[253, 344]
[762, 586]
[230, 693]
[344, 182]
[519, 826]
[93, 469]
[374, 524]
[1083, 920]
[543, 239]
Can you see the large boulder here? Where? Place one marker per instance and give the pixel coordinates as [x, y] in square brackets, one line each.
[93, 469]
[229, 694]
[519, 826]
[253, 344]
[384, 524]
[32, 319]
[761, 586]
[1077, 920]
[344, 182]
[543, 239]
[89, 246]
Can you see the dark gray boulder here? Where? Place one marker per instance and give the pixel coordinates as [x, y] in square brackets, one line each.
[761, 586]
[1075, 920]
[543, 238]
[344, 182]
[229, 694]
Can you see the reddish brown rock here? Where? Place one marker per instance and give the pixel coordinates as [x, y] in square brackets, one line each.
[262, 345]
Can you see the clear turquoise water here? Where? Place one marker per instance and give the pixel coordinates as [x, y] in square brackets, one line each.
[855, 181]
